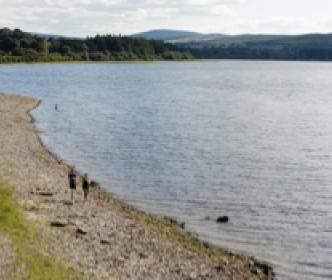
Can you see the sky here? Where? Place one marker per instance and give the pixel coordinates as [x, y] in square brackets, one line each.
[82, 18]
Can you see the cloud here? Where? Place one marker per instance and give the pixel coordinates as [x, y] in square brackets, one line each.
[281, 25]
[88, 17]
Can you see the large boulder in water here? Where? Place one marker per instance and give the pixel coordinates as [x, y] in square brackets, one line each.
[222, 219]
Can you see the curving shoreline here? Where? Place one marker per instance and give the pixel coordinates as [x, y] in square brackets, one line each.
[105, 237]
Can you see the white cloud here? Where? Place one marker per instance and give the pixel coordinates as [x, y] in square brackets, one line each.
[221, 10]
[88, 17]
[202, 2]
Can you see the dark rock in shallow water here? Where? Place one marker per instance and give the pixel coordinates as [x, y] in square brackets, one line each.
[223, 219]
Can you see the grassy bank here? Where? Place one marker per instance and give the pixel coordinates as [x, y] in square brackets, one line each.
[30, 261]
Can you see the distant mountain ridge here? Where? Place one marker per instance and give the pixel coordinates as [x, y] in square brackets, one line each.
[53, 36]
[249, 46]
[199, 40]
[166, 34]
[258, 41]
[179, 45]
[190, 39]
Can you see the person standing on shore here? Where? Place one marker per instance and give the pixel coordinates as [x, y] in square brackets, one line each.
[86, 186]
[72, 182]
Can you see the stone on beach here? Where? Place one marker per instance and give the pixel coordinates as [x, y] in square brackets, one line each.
[82, 230]
[105, 242]
[45, 193]
[30, 205]
[59, 223]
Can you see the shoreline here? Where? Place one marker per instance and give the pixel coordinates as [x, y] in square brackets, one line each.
[149, 235]
[193, 60]
[104, 62]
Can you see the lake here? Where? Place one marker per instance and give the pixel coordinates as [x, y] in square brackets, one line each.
[247, 139]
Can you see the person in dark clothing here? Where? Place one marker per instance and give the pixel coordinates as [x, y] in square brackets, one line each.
[86, 186]
[72, 177]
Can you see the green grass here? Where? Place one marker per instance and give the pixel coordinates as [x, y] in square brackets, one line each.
[30, 263]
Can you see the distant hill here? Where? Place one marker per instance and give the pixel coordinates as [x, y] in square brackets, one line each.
[216, 39]
[54, 36]
[248, 46]
[166, 34]
[212, 40]
[47, 36]
[200, 39]
[18, 46]
[265, 47]
[256, 40]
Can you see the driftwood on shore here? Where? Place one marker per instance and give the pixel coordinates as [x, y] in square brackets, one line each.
[102, 238]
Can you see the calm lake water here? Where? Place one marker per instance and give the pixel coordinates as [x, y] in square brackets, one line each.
[251, 140]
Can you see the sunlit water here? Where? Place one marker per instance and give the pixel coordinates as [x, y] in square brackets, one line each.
[251, 140]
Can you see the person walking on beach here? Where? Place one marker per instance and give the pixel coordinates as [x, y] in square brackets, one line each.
[72, 182]
[86, 186]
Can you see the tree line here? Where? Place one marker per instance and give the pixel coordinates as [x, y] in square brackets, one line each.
[285, 53]
[264, 47]
[19, 46]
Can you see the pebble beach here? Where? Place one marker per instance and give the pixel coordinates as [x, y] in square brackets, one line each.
[103, 238]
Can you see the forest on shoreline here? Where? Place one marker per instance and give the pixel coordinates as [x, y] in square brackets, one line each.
[263, 53]
[17, 46]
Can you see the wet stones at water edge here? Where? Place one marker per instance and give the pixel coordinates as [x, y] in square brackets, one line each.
[175, 222]
[256, 267]
[94, 184]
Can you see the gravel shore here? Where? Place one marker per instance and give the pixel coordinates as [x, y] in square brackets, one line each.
[102, 238]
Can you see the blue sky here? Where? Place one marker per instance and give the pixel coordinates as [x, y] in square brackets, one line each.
[89, 17]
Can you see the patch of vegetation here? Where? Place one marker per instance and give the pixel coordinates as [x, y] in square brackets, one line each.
[18, 46]
[30, 262]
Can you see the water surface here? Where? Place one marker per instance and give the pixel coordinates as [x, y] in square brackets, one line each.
[251, 140]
